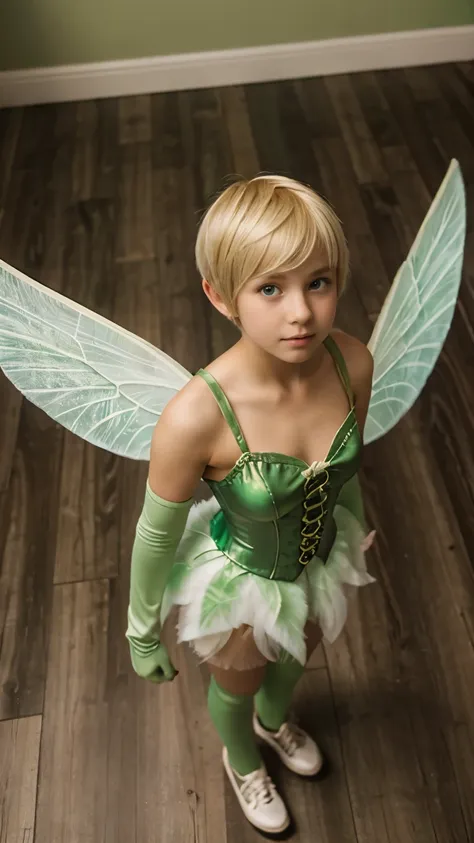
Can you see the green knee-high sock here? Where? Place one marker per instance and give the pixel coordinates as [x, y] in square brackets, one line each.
[232, 717]
[274, 696]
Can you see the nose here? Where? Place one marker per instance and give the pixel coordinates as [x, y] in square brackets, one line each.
[298, 309]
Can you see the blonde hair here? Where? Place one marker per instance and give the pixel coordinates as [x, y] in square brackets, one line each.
[262, 226]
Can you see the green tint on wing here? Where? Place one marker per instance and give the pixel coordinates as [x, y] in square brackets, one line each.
[416, 316]
[96, 379]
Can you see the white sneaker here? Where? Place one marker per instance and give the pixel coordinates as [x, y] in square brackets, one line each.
[259, 799]
[296, 749]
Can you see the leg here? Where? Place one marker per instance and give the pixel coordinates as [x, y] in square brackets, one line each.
[231, 709]
[230, 701]
[238, 681]
[274, 697]
[297, 750]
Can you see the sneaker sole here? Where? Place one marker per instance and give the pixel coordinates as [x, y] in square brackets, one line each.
[286, 761]
[243, 804]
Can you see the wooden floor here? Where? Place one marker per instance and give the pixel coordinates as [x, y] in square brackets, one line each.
[100, 200]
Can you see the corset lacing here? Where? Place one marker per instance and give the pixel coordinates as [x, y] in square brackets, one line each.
[315, 510]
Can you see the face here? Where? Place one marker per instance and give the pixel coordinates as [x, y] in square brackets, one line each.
[289, 315]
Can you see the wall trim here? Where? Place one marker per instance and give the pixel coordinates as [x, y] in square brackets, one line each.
[233, 67]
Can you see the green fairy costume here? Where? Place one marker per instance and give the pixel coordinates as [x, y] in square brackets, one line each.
[275, 546]
[280, 540]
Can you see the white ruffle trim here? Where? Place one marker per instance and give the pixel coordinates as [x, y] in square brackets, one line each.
[217, 596]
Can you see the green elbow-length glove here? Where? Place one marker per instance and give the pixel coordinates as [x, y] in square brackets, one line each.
[158, 533]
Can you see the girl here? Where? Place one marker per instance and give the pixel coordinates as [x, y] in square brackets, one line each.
[274, 425]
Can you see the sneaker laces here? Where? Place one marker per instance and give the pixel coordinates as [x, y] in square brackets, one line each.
[258, 788]
[290, 738]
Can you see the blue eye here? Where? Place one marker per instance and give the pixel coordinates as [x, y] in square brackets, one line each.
[268, 290]
[319, 282]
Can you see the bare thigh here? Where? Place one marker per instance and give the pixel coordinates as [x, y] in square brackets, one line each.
[249, 681]
[238, 681]
[239, 667]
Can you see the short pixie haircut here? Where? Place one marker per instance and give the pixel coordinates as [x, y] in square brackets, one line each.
[262, 226]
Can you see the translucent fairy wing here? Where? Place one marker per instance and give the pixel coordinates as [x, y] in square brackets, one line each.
[416, 316]
[98, 380]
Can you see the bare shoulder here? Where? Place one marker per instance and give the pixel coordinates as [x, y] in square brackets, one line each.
[358, 359]
[183, 441]
[192, 416]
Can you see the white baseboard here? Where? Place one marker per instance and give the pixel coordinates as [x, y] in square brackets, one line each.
[234, 67]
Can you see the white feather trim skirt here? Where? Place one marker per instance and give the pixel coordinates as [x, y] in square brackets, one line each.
[237, 619]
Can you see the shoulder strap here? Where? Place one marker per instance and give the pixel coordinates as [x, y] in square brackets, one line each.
[340, 365]
[225, 408]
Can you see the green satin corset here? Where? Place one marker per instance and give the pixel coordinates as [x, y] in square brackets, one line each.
[276, 511]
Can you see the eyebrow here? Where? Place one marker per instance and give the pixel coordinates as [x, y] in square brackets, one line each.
[320, 270]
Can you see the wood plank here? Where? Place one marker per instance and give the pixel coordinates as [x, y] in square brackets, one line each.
[135, 229]
[28, 522]
[204, 127]
[265, 119]
[10, 126]
[317, 106]
[168, 141]
[87, 541]
[84, 165]
[204, 146]
[58, 191]
[317, 659]
[384, 670]
[445, 411]
[23, 226]
[365, 156]
[20, 741]
[380, 120]
[180, 302]
[460, 94]
[95, 154]
[135, 119]
[42, 225]
[242, 143]
[451, 139]
[437, 645]
[302, 163]
[108, 148]
[71, 800]
[32, 233]
[467, 70]
[400, 101]
[36, 144]
[87, 536]
[10, 401]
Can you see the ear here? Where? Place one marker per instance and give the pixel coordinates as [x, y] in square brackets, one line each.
[216, 300]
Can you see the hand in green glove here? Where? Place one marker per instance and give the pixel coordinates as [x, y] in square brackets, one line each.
[156, 666]
[158, 533]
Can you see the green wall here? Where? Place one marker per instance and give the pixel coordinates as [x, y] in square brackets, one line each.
[50, 32]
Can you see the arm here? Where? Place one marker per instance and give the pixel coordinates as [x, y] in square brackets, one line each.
[361, 370]
[360, 366]
[180, 451]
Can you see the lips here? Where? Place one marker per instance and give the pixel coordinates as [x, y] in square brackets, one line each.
[300, 337]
